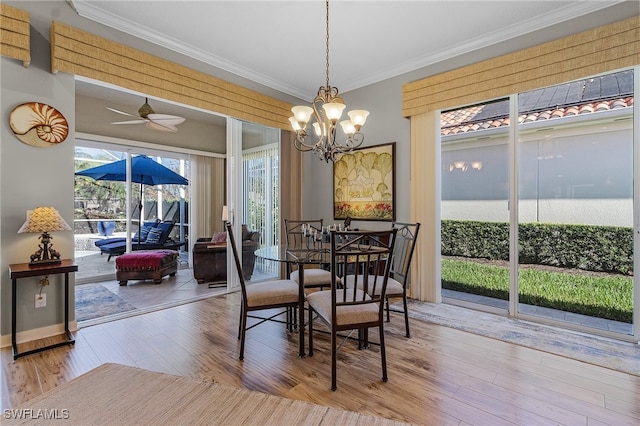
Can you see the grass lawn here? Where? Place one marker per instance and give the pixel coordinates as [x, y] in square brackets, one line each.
[602, 296]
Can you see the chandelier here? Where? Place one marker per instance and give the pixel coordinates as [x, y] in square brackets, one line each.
[327, 110]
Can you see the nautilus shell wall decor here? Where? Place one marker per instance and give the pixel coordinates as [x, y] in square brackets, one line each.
[38, 124]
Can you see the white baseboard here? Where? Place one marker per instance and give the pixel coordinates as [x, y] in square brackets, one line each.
[37, 333]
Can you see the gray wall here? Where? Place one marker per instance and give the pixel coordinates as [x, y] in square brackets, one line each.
[31, 177]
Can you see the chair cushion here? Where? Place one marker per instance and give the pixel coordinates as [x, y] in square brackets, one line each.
[154, 236]
[314, 277]
[272, 293]
[219, 237]
[320, 301]
[166, 227]
[394, 288]
[143, 232]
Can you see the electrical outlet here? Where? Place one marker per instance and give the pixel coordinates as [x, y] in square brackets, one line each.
[41, 300]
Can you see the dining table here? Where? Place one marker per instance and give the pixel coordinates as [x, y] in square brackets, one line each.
[311, 253]
[314, 250]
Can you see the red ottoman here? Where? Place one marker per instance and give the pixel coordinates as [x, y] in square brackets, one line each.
[146, 264]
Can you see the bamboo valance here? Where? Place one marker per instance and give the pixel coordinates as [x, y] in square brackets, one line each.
[81, 53]
[14, 34]
[595, 51]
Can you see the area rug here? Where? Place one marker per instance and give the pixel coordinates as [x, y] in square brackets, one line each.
[96, 301]
[118, 394]
[608, 353]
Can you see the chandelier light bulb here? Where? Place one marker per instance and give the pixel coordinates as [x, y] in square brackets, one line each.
[318, 129]
[333, 111]
[347, 127]
[302, 114]
[294, 124]
[358, 117]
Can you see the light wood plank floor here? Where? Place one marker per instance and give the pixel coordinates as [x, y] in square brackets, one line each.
[440, 376]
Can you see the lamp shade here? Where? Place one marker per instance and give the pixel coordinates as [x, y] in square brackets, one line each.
[358, 117]
[348, 127]
[333, 110]
[225, 214]
[44, 219]
[302, 114]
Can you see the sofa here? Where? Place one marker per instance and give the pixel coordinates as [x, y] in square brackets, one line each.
[210, 256]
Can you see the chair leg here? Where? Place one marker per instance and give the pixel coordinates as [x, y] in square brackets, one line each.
[406, 316]
[387, 305]
[288, 319]
[240, 321]
[310, 331]
[334, 359]
[243, 333]
[363, 338]
[383, 355]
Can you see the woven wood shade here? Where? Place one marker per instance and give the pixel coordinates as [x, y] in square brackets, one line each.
[602, 49]
[78, 52]
[14, 34]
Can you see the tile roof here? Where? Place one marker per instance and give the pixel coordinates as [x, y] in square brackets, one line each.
[611, 91]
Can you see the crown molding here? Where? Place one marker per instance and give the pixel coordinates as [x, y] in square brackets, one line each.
[574, 10]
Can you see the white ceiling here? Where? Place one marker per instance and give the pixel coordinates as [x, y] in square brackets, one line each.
[281, 44]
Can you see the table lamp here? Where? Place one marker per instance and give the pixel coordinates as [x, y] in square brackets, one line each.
[44, 220]
[225, 214]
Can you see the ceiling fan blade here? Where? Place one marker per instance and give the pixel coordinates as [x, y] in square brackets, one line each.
[122, 112]
[162, 127]
[165, 119]
[131, 122]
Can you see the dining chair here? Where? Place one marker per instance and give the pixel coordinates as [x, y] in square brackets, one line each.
[298, 239]
[261, 296]
[406, 237]
[361, 254]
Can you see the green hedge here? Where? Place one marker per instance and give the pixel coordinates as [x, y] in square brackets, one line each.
[587, 247]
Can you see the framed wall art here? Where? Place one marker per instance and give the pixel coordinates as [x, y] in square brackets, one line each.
[364, 184]
[38, 124]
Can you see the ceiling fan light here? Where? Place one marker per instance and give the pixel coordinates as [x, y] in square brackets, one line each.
[358, 117]
[333, 110]
[145, 109]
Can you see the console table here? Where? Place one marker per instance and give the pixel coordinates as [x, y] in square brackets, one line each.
[24, 270]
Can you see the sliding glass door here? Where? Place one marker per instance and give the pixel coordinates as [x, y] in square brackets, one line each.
[575, 227]
[538, 205]
[474, 206]
[105, 208]
[253, 170]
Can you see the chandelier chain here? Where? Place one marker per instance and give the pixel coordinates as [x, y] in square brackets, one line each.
[327, 109]
[327, 29]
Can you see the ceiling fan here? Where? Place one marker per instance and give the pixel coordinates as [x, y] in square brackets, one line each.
[162, 122]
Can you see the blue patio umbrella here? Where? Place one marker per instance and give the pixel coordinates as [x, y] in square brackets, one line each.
[144, 171]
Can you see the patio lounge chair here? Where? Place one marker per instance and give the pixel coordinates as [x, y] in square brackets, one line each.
[146, 227]
[151, 238]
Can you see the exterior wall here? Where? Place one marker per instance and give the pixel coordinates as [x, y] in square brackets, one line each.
[573, 174]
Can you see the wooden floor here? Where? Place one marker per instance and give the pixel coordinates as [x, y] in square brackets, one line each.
[440, 376]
